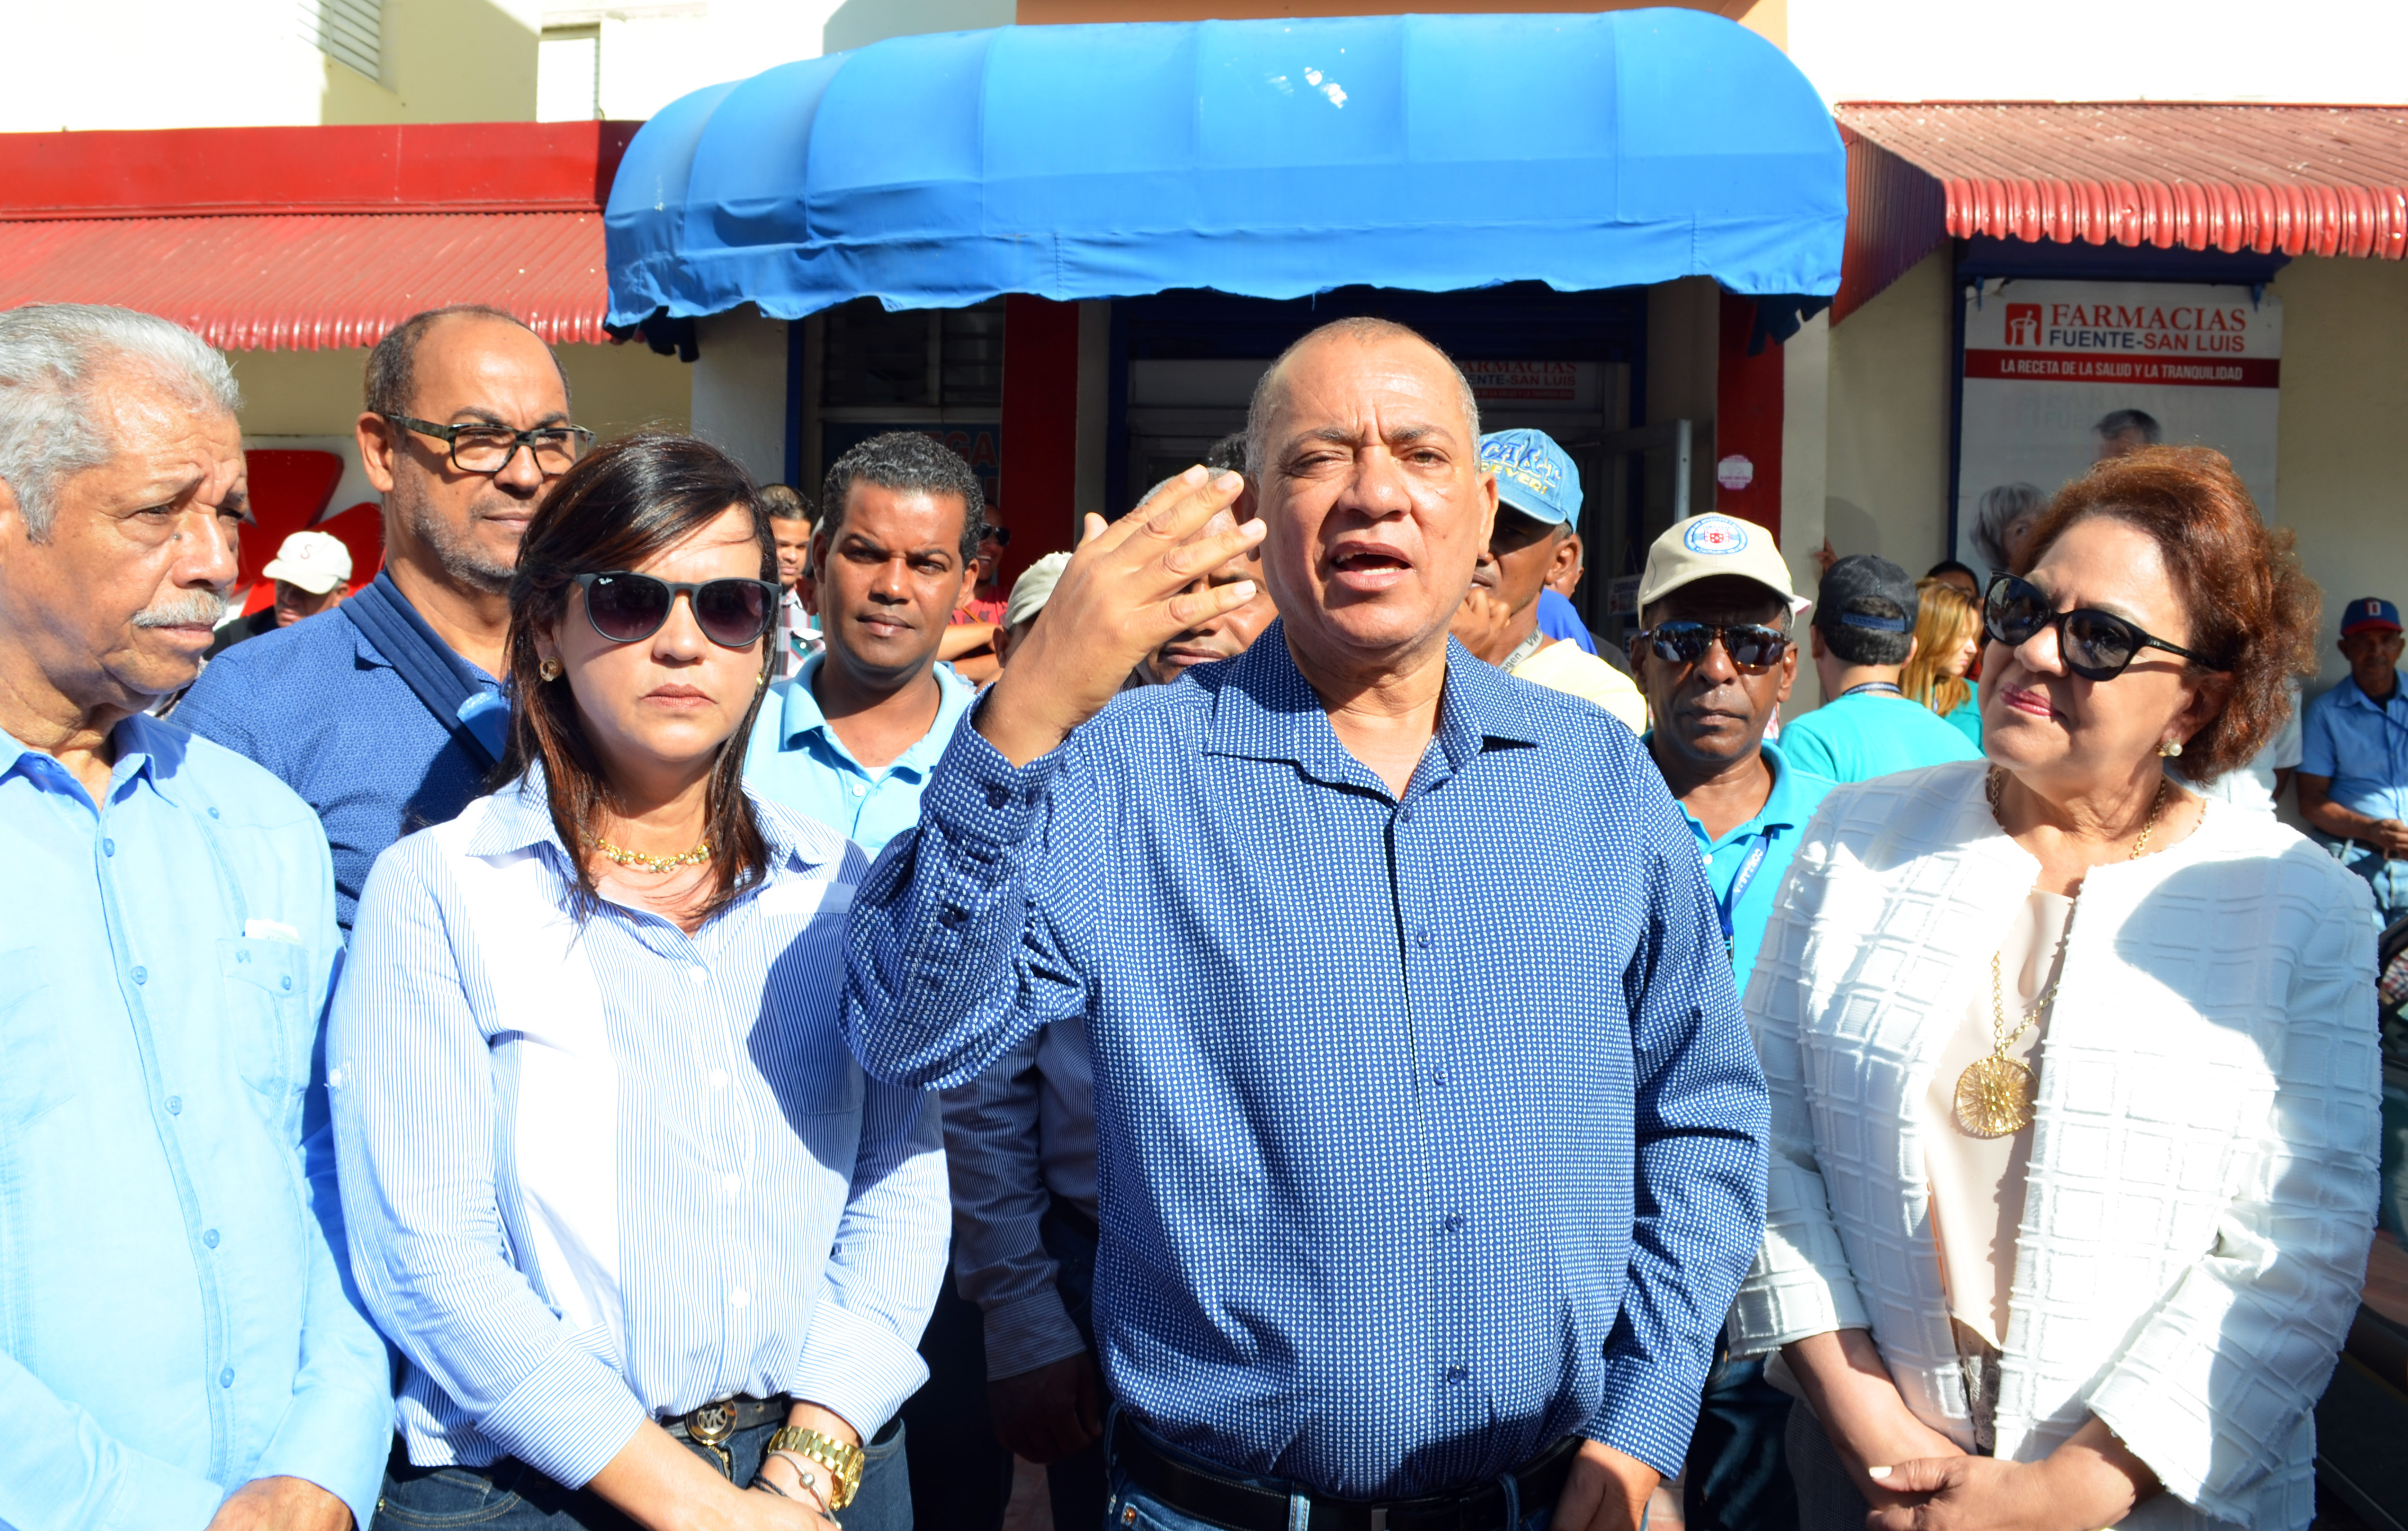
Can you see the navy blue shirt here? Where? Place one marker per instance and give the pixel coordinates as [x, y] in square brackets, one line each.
[329, 716]
[1428, 1129]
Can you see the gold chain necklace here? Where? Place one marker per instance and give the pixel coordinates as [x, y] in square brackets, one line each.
[643, 863]
[1995, 1093]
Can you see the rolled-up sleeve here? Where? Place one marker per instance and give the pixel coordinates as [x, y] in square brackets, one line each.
[1700, 1131]
[964, 934]
[862, 1359]
[413, 1093]
[2217, 1382]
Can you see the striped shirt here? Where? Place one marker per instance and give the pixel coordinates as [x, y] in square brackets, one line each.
[614, 1171]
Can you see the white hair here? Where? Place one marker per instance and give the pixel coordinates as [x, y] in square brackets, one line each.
[51, 353]
[1363, 331]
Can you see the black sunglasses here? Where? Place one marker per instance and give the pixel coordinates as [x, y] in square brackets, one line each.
[1752, 646]
[999, 535]
[2097, 645]
[628, 608]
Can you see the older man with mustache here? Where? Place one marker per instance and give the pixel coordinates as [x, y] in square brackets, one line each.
[1432, 1144]
[177, 1346]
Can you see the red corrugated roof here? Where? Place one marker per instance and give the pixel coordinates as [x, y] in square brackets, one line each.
[306, 282]
[304, 238]
[2304, 180]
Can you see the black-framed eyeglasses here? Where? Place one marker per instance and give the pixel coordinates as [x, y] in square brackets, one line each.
[999, 535]
[1752, 646]
[488, 448]
[2096, 645]
[628, 608]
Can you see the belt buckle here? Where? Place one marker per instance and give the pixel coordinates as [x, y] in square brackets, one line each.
[708, 1428]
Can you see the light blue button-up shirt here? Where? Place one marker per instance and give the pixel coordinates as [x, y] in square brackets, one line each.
[604, 1169]
[2361, 746]
[796, 759]
[172, 1318]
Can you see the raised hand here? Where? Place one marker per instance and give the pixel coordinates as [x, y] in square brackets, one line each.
[1124, 594]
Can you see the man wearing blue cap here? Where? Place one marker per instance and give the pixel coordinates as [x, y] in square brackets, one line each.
[1538, 504]
[1864, 634]
[2354, 757]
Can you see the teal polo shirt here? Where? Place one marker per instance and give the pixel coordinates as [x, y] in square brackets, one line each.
[1856, 738]
[795, 758]
[1780, 824]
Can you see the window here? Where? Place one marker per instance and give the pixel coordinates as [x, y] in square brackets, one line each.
[568, 75]
[919, 358]
[350, 32]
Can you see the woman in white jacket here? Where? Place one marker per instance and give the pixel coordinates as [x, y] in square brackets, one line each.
[2074, 1076]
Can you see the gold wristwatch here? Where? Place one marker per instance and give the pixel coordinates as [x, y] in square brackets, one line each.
[843, 1462]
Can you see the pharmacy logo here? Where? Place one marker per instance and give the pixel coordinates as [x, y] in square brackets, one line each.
[2023, 323]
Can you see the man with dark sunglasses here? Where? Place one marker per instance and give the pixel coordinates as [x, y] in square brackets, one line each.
[389, 721]
[1715, 661]
[1863, 634]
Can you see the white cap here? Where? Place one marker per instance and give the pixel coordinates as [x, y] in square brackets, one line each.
[1034, 588]
[1705, 546]
[315, 561]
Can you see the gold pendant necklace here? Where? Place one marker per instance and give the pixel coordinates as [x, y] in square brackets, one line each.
[1995, 1093]
[643, 863]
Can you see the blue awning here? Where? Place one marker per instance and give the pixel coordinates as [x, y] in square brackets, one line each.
[1271, 159]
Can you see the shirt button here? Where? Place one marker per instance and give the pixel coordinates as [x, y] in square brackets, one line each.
[1456, 1374]
[738, 1297]
[108, 848]
[1405, 814]
[1455, 1222]
[213, 813]
[700, 975]
[1441, 1079]
[288, 982]
[859, 790]
[142, 975]
[225, 1378]
[211, 1238]
[719, 1079]
[997, 795]
[1422, 936]
[175, 1105]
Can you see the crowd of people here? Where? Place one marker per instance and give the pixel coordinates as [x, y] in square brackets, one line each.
[668, 1007]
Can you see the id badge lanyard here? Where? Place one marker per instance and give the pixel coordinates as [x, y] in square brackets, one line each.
[1725, 907]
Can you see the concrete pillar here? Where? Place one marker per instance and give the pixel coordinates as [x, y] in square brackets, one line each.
[739, 390]
[1805, 469]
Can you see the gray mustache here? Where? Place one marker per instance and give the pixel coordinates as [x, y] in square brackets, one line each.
[196, 607]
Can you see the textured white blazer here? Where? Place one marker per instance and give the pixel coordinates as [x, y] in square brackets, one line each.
[2202, 1180]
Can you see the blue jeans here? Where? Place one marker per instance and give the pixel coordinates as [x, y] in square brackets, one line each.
[2387, 878]
[509, 1496]
[1131, 1509]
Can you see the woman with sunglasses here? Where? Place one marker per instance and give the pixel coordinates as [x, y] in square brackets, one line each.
[2074, 1080]
[654, 1251]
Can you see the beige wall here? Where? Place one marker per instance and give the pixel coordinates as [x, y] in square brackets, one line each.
[1885, 487]
[612, 389]
[2338, 451]
[445, 61]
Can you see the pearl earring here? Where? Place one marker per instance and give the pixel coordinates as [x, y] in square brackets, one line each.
[2170, 748]
[549, 669]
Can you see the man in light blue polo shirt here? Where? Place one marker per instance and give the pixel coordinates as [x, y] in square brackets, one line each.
[1715, 660]
[2354, 757]
[1863, 636]
[851, 739]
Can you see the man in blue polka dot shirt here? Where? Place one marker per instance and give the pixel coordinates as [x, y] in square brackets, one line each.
[1431, 1141]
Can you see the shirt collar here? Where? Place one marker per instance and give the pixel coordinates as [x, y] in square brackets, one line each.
[1785, 806]
[2354, 694]
[470, 676]
[799, 714]
[143, 745]
[1263, 709]
[518, 817]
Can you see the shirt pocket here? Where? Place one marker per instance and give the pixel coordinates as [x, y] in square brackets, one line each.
[268, 1037]
[36, 1076]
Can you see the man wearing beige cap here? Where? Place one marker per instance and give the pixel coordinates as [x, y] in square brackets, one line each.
[311, 570]
[1717, 659]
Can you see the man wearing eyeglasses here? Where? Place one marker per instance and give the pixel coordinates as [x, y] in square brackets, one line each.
[1715, 660]
[389, 721]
